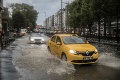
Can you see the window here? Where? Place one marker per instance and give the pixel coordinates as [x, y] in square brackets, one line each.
[53, 38]
[72, 40]
[58, 39]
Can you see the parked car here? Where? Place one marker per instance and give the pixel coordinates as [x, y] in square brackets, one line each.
[36, 38]
[72, 48]
[12, 34]
[23, 32]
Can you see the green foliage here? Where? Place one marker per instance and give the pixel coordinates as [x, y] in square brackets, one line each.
[18, 20]
[5, 13]
[98, 7]
[5, 16]
[74, 13]
[28, 11]
[85, 12]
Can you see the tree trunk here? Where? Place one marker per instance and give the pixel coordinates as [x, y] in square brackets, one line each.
[118, 35]
[104, 28]
[83, 29]
[90, 26]
[109, 28]
[80, 30]
[74, 30]
[99, 31]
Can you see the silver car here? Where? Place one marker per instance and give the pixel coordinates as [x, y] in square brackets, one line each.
[36, 38]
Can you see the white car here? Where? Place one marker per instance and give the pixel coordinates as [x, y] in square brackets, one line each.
[36, 38]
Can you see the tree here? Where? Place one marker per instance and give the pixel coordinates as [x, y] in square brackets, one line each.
[18, 20]
[5, 13]
[74, 14]
[6, 19]
[106, 10]
[25, 9]
[87, 14]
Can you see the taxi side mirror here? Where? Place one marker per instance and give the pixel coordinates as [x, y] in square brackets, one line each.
[58, 43]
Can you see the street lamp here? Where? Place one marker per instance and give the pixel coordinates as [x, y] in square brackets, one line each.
[45, 22]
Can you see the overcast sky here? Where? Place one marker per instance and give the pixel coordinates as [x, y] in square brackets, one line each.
[48, 6]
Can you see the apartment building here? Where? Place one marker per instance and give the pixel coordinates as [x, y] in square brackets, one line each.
[49, 23]
[53, 22]
[57, 20]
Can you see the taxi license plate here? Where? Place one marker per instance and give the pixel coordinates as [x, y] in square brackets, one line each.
[87, 58]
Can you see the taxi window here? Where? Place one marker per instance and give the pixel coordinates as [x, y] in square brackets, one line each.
[58, 39]
[53, 38]
[72, 40]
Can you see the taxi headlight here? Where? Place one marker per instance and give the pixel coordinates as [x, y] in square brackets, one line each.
[72, 52]
[95, 50]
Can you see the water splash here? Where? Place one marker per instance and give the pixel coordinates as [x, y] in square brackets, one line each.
[62, 68]
[37, 58]
[108, 56]
[108, 59]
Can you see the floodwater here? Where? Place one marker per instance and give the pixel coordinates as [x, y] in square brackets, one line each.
[34, 62]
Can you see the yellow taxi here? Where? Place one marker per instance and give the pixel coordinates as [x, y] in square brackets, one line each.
[23, 32]
[72, 48]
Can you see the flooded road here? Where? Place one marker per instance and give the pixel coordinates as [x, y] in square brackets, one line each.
[34, 62]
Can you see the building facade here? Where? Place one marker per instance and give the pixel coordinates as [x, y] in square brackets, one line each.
[54, 23]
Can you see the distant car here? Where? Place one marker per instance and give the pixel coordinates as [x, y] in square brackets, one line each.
[72, 48]
[23, 32]
[12, 34]
[36, 38]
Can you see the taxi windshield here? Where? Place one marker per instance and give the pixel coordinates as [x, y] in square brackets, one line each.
[72, 40]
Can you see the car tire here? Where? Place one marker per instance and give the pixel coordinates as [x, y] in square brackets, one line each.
[64, 58]
[49, 49]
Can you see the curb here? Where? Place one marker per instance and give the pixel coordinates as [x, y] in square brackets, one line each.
[112, 44]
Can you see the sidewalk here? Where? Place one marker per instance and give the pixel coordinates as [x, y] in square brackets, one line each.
[8, 70]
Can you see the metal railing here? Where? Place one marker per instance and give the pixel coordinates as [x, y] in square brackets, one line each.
[4, 42]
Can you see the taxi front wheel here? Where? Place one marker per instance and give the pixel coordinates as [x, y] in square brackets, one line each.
[64, 58]
[49, 49]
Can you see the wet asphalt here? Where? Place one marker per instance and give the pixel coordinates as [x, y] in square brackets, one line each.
[24, 61]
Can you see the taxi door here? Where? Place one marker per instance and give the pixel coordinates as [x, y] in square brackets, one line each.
[58, 47]
[52, 44]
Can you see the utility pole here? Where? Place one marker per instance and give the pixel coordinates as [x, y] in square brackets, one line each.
[67, 26]
[45, 22]
[61, 17]
[67, 21]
